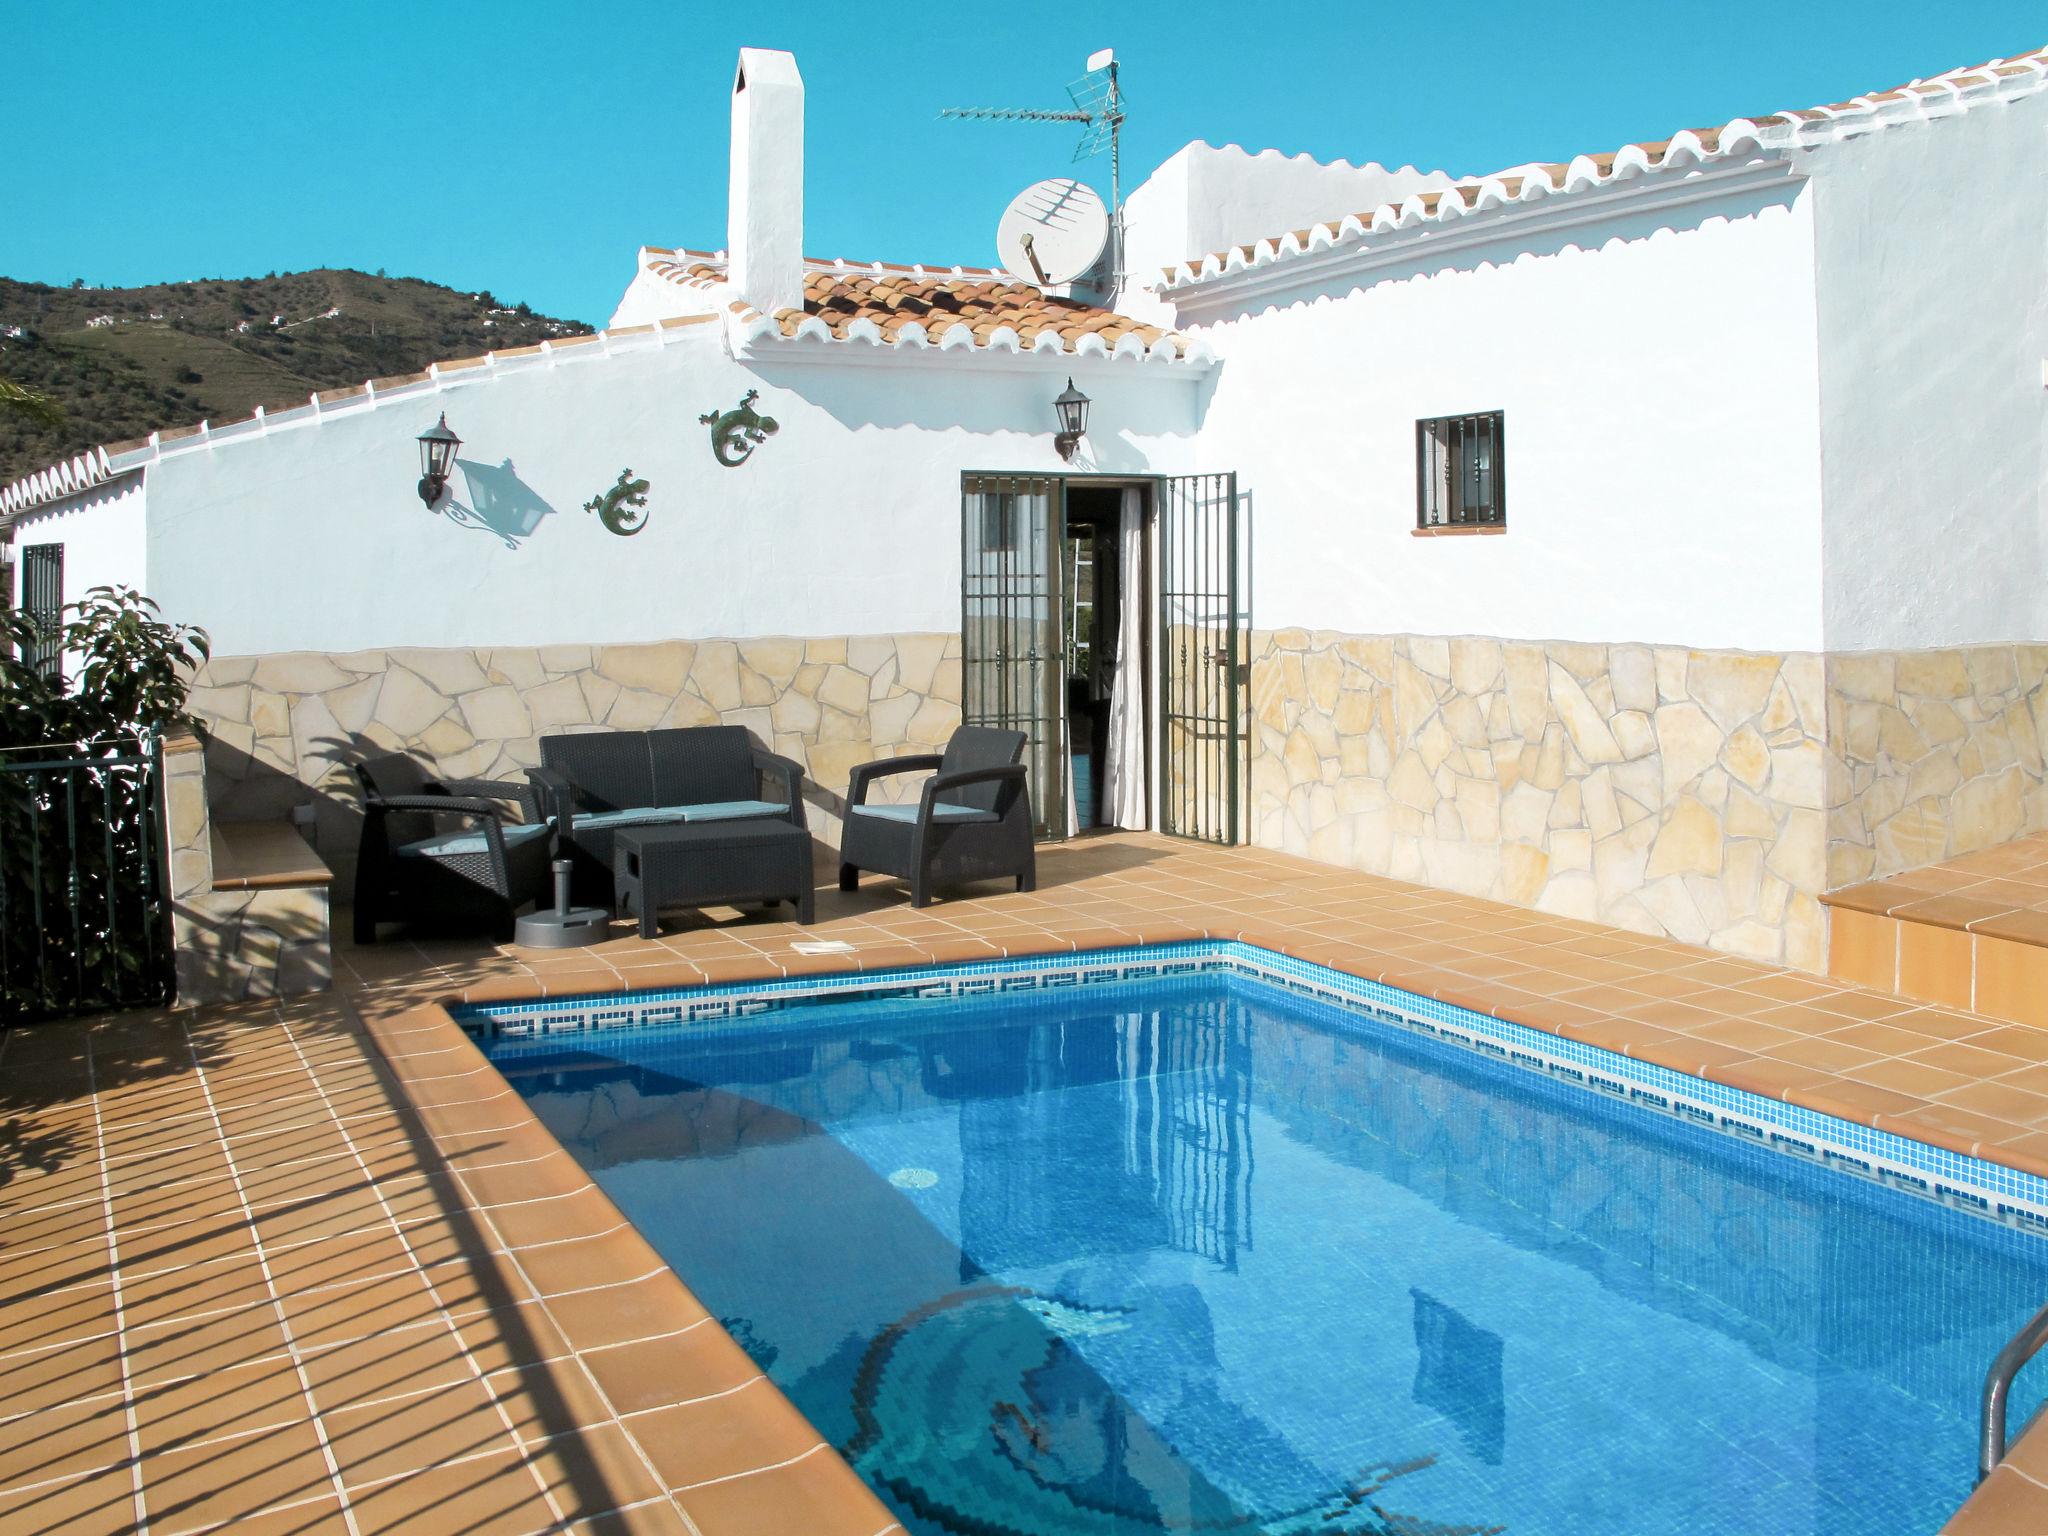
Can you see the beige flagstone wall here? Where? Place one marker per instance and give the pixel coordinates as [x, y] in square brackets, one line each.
[1933, 754]
[231, 944]
[1660, 789]
[283, 729]
[1708, 795]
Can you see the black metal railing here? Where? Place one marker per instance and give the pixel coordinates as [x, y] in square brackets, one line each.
[84, 904]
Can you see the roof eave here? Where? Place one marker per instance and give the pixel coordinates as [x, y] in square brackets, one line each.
[1278, 265]
[761, 341]
[1810, 128]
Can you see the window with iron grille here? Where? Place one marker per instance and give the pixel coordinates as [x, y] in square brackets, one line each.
[42, 599]
[1460, 472]
[998, 522]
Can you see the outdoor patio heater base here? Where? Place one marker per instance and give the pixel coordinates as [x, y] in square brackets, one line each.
[566, 927]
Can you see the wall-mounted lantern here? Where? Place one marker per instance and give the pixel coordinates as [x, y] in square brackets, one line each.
[438, 447]
[1072, 407]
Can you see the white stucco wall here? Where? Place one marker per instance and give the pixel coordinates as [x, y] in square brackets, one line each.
[845, 522]
[1204, 198]
[102, 531]
[1932, 252]
[650, 296]
[1662, 442]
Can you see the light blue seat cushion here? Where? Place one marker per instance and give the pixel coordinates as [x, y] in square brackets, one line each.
[941, 811]
[471, 841]
[659, 815]
[730, 810]
[642, 816]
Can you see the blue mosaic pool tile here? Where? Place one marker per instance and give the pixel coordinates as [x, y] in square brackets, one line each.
[1966, 1183]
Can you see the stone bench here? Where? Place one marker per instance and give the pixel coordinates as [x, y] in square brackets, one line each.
[250, 908]
[264, 856]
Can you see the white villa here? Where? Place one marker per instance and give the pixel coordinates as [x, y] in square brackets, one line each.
[1655, 538]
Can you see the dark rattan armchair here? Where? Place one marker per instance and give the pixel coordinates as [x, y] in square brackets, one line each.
[443, 851]
[972, 819]
[592, 783]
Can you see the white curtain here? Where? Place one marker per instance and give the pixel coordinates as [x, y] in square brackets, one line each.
[1123, 788]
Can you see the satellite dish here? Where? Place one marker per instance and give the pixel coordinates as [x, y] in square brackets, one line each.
[1052, 232]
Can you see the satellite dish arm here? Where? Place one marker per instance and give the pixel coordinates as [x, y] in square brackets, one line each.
[1030, 244]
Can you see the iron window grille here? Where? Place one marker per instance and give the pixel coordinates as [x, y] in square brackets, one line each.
[1460, 471]
[42, 600]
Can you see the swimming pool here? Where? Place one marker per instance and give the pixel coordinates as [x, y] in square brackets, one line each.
[1201, 1253]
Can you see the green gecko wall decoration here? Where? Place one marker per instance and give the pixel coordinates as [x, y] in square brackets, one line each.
[736, 433]
[623, 508]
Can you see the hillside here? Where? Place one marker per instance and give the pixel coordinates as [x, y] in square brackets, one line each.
[123, 362]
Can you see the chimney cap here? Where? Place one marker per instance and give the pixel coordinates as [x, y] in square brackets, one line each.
[767, 66]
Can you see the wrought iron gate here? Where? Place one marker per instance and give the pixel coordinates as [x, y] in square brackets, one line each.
[84, 909]
[1011, 673]
[1203, 764]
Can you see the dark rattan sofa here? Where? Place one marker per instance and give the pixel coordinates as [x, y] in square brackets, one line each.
[594, 782]
[438, 851]
[971, 821]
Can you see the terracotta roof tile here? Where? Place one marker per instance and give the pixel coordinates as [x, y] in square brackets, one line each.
[889, 296]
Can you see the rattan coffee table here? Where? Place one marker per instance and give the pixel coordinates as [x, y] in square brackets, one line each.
[699, 864]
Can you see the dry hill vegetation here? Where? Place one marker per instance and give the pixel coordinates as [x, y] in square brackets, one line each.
[121, 363]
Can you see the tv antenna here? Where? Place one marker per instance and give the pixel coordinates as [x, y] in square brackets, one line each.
[1098, 106]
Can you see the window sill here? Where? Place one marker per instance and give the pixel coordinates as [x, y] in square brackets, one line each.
[1459, 530]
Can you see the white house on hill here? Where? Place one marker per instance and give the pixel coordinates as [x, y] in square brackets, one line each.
[1654, 538]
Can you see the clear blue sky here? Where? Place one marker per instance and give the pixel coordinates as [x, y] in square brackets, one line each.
[530, 146]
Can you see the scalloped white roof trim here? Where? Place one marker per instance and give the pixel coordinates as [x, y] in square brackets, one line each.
[750, 327]
[67, 478]
[1958, 90]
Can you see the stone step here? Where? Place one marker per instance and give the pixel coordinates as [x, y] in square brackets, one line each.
[1971, 933]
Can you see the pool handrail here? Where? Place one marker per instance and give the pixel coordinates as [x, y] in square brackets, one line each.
[2019, 1349]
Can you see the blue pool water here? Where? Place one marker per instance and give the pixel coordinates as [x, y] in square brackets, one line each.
[1200, 1255]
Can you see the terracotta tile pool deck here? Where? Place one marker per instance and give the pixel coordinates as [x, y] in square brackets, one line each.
[312, 1265]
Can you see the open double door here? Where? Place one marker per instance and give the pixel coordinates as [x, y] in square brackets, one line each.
[1057, 595]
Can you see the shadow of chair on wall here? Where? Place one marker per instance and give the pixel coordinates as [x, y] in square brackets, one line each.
[243, 787]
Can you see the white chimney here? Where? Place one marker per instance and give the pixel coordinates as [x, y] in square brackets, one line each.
[764, 221]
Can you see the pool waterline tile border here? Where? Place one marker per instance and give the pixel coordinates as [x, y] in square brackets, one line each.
[1974, 1185]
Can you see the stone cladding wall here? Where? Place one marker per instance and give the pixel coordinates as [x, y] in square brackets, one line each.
[283, 729]
[1659, 789]
[1933, 754]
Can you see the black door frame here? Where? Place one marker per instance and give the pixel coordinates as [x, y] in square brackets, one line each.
[1226, 779]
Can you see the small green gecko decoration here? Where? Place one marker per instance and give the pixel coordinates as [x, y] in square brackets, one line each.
[735, 433]
[623, 508]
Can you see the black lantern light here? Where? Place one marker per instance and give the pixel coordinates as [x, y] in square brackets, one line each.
[438, 446]
[1072, 407]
